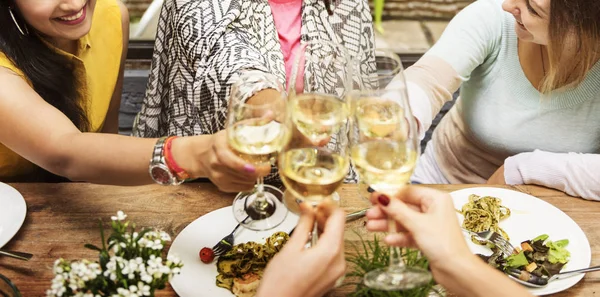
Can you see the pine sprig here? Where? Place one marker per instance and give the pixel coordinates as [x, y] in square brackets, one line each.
[371, 255]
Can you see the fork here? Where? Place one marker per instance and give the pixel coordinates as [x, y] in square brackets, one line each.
[494, 237]
[226, 244]
[540, 282]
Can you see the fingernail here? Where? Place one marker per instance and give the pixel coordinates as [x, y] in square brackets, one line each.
[249, 168]
[383, 200]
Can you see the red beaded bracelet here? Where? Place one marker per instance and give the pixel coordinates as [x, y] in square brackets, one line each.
[173, 166]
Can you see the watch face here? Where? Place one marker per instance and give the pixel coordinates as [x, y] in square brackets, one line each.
[160, 175]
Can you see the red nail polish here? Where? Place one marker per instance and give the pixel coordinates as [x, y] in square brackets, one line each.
[383, 200]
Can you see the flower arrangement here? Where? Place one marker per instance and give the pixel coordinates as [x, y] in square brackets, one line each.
[134, 269]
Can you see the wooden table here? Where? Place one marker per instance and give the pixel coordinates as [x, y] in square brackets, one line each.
[61, 218]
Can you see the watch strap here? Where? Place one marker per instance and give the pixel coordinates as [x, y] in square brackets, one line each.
[158, 161]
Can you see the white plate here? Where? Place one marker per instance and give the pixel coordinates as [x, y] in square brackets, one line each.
[12, 212]
[529, 218]
[198, 279]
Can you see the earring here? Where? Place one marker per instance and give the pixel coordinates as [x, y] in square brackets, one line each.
[24, 33]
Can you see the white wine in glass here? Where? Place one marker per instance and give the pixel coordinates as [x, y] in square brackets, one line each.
[318, 116]
[314, 165]
[258, 144]
[384, 150]
[312, 174]
[257, 133]
[386, 165]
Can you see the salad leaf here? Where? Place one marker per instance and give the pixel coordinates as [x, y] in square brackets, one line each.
[558, 252]
[517, 260]
[542, 237]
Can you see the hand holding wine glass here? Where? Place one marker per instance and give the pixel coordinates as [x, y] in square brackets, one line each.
[384, 150]
[257, 129]
[313, 171]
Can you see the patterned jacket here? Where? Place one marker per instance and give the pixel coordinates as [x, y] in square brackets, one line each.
[202, 46]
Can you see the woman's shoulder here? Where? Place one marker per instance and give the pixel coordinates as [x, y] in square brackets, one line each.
[5, 62]
[111, 19]
[105, 6]
[109, 12]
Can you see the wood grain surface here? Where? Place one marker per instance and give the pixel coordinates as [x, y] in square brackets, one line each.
[61, 218]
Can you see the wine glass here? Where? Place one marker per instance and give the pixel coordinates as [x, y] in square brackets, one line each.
[314, 165]
[384, 151]
[312, 173]
[256, 133]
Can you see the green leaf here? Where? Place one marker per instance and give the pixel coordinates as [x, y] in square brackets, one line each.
[558, 252]
[517, 260]
[102, 234]
[92, 247]
[542, 237]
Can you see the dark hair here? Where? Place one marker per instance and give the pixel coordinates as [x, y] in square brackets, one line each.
[328, 7]
[573, 43]
[51, 74]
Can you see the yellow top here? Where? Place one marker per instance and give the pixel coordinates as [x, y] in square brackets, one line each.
[97, 63]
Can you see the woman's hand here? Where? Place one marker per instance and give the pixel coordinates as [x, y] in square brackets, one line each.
[426, 220]
[300, 272]
[210, 156]
[498, 177]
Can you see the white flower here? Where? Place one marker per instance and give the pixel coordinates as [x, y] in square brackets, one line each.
[164, 236]
[120, 216]
[147, 278]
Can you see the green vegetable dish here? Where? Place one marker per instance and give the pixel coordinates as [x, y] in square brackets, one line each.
[534, 261]
[241, 268]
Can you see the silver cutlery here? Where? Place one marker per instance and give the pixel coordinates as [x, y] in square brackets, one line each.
[540, 282]
[349, 217]
[494, 237]
[356, 215]
[226, 244]
[16, 255]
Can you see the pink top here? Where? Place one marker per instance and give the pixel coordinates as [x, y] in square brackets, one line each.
[287, 15]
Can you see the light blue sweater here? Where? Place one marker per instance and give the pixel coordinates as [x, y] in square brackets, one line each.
[501, 118]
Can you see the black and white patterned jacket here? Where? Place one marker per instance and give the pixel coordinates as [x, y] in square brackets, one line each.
[203, 45]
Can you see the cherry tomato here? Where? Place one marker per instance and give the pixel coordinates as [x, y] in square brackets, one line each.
[207, 255]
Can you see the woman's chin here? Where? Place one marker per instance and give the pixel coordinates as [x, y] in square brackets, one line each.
[522, 34]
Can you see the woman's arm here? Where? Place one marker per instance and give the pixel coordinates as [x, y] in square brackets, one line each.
[573, 173]
[45, 136]
[111, 122]
[471, 39]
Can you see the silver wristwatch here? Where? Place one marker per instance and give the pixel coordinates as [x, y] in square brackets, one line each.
[158, 169]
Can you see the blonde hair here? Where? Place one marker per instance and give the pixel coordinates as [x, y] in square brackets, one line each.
[574, 42]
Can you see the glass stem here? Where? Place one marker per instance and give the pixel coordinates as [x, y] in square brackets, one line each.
[261, 203]
[396, 261]
[260, 187]
[314, 235]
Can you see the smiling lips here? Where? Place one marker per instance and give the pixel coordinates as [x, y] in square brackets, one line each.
[521, 25]
[73, 19]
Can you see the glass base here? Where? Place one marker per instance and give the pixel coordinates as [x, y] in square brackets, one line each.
[396, 279]
[292, 202]
[260, 218]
